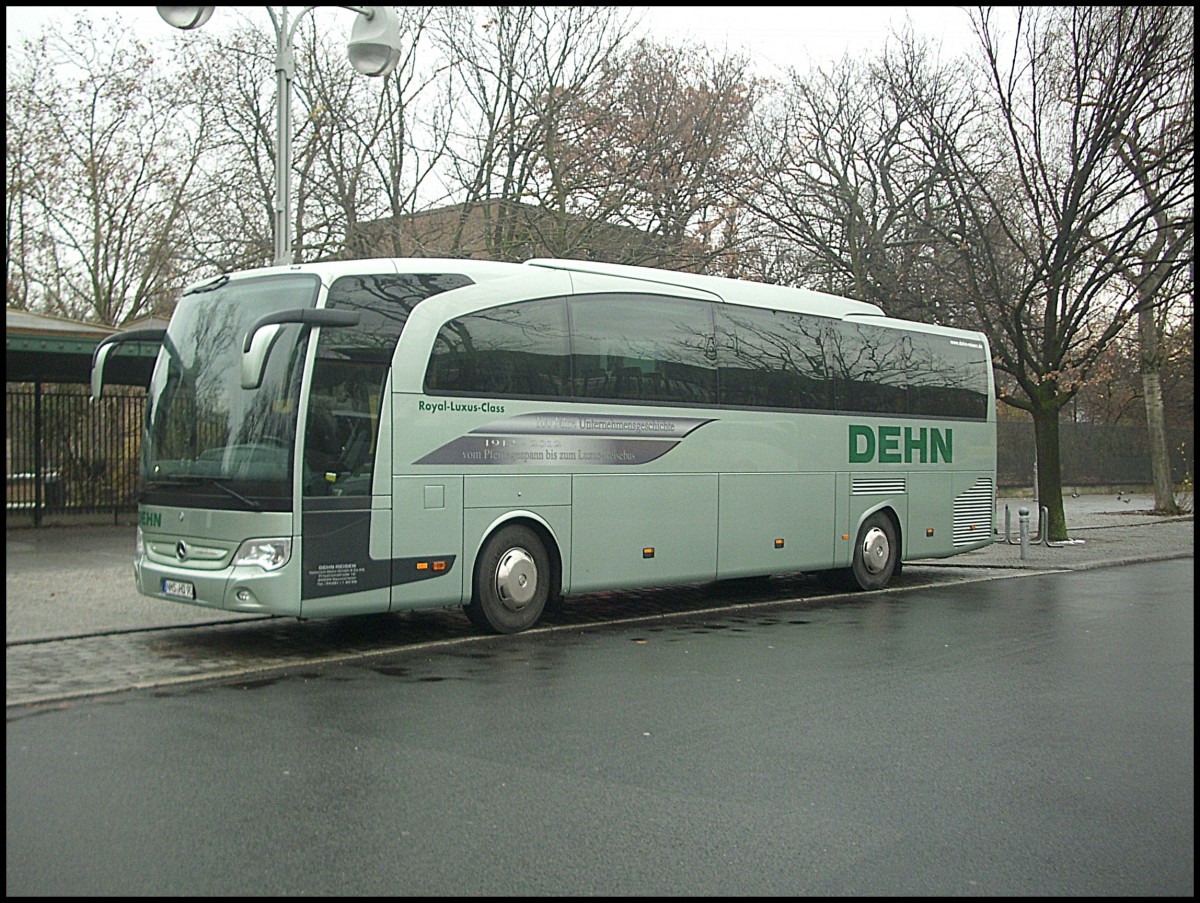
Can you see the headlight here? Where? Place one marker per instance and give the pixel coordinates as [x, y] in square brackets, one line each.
[268, 554]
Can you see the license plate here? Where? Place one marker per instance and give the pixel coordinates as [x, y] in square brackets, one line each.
[179, 588]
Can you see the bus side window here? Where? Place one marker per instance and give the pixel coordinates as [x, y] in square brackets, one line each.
[321, 449]
[351, 371]
[637, 347]
[517, 350]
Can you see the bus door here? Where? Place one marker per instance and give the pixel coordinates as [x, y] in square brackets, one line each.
[345, 533]
[345, 506]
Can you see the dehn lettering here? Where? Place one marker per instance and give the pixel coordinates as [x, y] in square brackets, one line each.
[901, 445]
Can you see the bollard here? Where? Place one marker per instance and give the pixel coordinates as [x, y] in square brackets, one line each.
[1007, 525]
[1044, 526]
[1023, 516]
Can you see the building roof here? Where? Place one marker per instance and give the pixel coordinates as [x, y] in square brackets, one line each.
[48, 349]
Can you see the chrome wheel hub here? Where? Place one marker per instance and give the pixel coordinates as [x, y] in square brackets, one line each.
[516, 579]
[875, 550]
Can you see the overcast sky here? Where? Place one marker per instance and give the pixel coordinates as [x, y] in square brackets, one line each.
[774, 36]
[783, 36]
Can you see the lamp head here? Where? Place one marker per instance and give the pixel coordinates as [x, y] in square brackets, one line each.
[185, 17]
[374, 47]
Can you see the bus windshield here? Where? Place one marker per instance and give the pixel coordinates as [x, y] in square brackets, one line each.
[207, 440]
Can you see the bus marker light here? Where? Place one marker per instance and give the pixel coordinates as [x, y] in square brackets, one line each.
[422, 565]
[648, 552]
[439, 565]
[846, 536]
[929, 532]
[779, 543]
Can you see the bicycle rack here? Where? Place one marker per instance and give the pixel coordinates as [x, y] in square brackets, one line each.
[1040, 535]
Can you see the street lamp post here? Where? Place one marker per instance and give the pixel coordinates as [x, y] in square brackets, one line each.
[373, 49]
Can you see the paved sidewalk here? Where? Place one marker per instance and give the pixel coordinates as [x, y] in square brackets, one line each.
[1103, 530]
[71, 581]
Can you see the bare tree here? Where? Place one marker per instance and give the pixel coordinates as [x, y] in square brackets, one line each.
[408, 135]
[355, 155]
[231, 225]
[233, 230]
[29, 171]
[102, 170]
[1056, 206]
[664, 145]
[850, 179]
[1160, 268]
[515, 74]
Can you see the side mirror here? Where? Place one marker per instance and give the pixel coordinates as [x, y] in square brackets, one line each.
[265, 331]
[108, 345]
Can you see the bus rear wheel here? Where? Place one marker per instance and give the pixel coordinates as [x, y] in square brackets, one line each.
[875, 553]
[512, 581]
[874, 559]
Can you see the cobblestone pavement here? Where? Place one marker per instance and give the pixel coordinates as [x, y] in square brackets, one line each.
[76, 628]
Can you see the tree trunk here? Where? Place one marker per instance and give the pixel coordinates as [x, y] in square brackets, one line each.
[1049, 470]
[1160, 455]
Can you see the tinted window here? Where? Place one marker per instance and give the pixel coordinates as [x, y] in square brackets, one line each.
[349, 375]
[643, 348]
[519, 349]
[947, 377]
[772, 359]
[869, 368]
[650, 348]
[384, 303]
[201, 425]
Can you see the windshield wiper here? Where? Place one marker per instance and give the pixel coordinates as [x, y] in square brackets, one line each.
[211, 286]
[193, 481]
[250, 503]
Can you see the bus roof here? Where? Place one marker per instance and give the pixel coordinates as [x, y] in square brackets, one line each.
[735, 291]
[738, 291]
[331, 269]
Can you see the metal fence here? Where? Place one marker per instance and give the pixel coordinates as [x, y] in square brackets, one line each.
[1092, 455]
[68, 455]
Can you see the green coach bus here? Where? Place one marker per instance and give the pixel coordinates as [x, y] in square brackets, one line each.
[380, 435]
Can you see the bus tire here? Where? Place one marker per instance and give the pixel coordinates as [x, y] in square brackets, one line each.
[512, 581]
[876, 553]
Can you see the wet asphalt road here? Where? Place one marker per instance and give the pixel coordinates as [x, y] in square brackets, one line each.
[1031, 735]
[75, 627]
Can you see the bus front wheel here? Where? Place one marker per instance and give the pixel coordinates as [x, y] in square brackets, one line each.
[512, 581]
